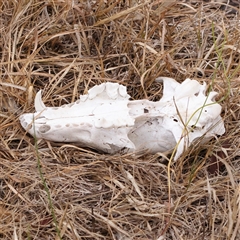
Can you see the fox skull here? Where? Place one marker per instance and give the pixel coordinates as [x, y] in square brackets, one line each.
[105, 119]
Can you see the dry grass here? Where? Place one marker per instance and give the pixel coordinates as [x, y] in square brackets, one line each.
[64, 192]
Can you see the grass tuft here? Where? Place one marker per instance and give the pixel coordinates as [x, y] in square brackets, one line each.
[67, 47]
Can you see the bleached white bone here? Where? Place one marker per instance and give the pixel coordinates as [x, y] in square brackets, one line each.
[105, 119]
[38, 103]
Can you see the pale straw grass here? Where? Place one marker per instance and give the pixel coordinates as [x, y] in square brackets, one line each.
[65, 48]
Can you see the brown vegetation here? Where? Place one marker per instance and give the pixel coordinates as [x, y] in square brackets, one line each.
[61, 191]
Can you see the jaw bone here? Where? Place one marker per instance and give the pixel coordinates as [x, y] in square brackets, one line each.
[105, 119]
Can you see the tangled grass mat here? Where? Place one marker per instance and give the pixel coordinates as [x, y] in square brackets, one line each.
[61, 191]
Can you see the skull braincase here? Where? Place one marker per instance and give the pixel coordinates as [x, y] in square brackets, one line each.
[105, 118]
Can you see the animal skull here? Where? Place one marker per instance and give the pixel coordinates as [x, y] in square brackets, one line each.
[105, 119]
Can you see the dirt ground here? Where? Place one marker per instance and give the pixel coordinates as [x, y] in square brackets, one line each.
[56, 191]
